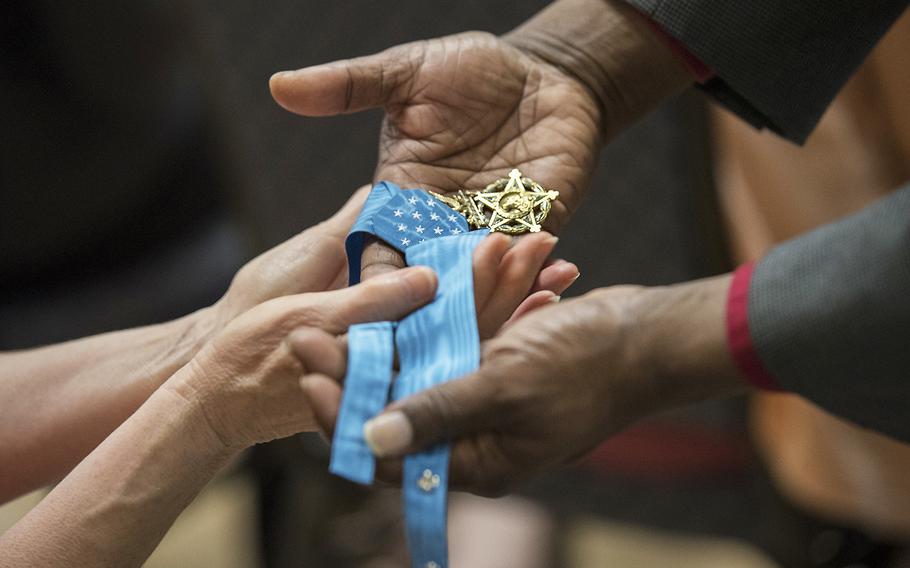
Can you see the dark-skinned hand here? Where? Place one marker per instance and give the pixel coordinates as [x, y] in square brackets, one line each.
[461, 111]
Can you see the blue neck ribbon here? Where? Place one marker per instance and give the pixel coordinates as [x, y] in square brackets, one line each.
[436, 343]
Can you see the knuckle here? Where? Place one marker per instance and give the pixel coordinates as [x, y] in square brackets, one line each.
[288, 363]
[440, 408]
[311, 314]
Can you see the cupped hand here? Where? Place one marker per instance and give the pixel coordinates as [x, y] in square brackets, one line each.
[554, 384]
[461, 111]
[315, 261]
[539, 398]
[246, 381]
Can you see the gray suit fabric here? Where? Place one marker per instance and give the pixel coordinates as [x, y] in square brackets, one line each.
[829, 314]
[778, 63]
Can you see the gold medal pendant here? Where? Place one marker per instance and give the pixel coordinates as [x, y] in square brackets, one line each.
[512, 205]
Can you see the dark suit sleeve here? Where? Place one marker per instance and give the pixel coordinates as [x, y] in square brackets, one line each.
[829, 316]
[778, 63]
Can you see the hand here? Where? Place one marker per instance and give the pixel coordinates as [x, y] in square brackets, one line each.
[246, 381]
[312, 261]
[558, 382]
[512, 277]
[315, 261]
[463, 110]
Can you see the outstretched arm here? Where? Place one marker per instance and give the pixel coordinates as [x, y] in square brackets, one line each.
[59, 402]
[241, 389]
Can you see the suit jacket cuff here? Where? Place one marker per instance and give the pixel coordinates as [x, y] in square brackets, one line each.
[739, 337]
[695, 66]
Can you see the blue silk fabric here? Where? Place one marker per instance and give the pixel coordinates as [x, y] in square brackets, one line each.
[436, 343]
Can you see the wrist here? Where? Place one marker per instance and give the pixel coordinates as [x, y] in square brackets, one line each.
[193, 426]
[680, 338]
[611, 49]
[190, 386]
[178, 341]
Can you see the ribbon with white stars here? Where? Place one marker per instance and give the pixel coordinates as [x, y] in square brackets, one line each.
[436, 343]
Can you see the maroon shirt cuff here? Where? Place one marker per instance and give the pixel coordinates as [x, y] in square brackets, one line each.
[739, 338]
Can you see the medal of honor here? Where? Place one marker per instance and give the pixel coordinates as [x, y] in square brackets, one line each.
[415, 223]
[512, 205]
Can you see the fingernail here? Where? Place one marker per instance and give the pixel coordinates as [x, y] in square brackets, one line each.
[553, 240]
[555, 299]
[388, 434]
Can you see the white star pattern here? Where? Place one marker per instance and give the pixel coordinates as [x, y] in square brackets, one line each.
[397, 213]
[453, 218]
[438, 230]
[431, 203]
[455, 231]
[402, 227]
[405, 242]
[417, 215]
[434, 217]
[412, 200]
[419, 229]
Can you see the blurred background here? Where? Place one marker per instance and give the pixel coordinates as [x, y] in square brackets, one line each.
[142, 161]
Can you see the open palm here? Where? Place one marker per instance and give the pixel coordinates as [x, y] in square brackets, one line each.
[461, 111]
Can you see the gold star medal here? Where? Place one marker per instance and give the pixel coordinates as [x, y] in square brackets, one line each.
[512, 205]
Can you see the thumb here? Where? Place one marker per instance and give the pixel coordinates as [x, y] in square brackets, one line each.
[388, 297]
[345, 86]
[444, 412]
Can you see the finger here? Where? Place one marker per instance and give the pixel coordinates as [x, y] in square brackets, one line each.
[556, 277]
[319, 351]
[476, 464]
[516, 275]
[324, 397]
[388, 297]
[379, 258]
[346, 86]
[314, 259]
[308, 262]
[533, 302]
[446, 411]
[340, 281]
[485, 263]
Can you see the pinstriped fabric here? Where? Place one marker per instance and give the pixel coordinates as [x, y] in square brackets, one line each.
[778, 63]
